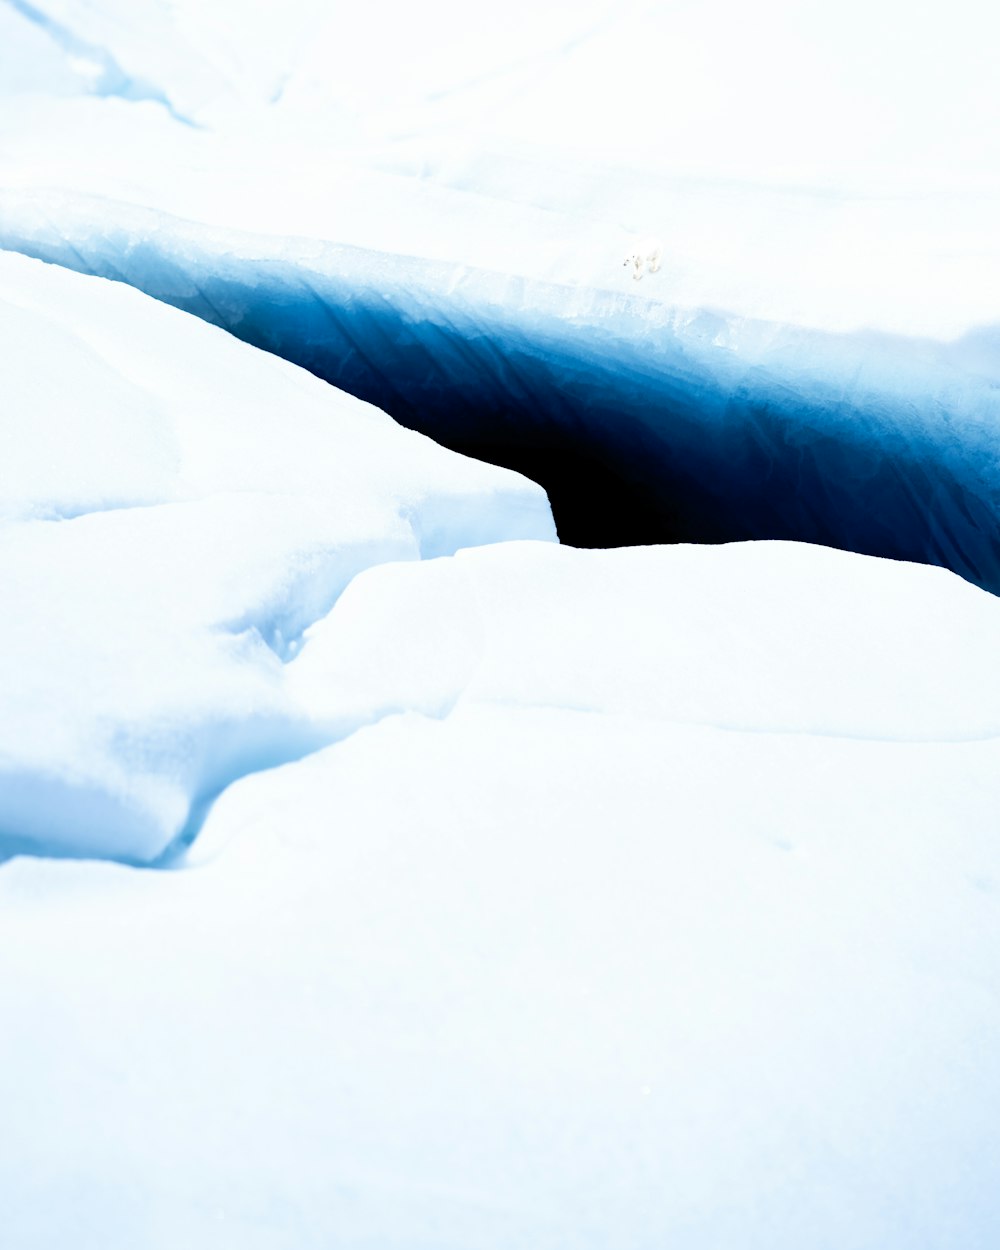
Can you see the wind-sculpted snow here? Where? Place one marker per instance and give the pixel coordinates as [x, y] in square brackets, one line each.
[211, 61]
[625, 922]
[31, 60]
[635, 898]
[94, 64]
[761, 638]
[645, 423]
[175, 509]
[787, 90]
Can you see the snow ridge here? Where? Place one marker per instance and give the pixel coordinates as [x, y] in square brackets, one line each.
[221, 501]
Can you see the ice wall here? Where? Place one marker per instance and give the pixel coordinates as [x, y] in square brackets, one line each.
[644, 423]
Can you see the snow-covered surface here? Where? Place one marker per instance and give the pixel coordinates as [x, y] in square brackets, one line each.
[758, 637]
[627, 922]
[791, 87]
[175, 509]
[793, 160]
[641, 898]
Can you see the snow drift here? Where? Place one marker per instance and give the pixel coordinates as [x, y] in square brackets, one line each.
[175, 509]
[658, 883]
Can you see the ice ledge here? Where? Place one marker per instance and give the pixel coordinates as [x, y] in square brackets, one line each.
[691, 426]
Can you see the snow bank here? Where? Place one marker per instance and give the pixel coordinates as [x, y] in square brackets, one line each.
[176, 509]
[634, 927]
[791, 90]
[641, 898]
[757, 637]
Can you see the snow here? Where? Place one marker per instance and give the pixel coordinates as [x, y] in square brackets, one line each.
[721, 427]
[496, 970]
[177, 508]
[791, 89]
[869, 202]
[375, 871]
[758, 637]
[30, 60]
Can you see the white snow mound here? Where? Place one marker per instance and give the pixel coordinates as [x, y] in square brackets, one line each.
[625, 924]
[175, 508]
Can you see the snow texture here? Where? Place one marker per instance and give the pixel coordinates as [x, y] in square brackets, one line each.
[586, 939]
[175, 509]
[540, 897]
[826, 643]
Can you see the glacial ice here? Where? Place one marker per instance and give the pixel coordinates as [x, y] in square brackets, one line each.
[645, 422]
[816, 359]
[630, 898]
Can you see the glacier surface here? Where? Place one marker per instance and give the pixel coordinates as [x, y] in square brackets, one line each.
[540, 897]
[175, 509]
[645, 422]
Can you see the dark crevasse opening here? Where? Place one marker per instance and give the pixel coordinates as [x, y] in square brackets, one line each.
[575, 477]
[652, 438]
[644, 425]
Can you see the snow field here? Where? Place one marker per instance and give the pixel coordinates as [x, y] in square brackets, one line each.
[523, 974]
[641, 898]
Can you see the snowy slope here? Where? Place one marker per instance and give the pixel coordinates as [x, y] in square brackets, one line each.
[627, 922]
[794, 160]
[211, 62]
[175, 509]
[31, 61]
[789, 89]
[638, 898]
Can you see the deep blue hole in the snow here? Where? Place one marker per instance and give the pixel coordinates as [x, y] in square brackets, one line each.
[637, 436]
[610, 481]
[633, 447]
